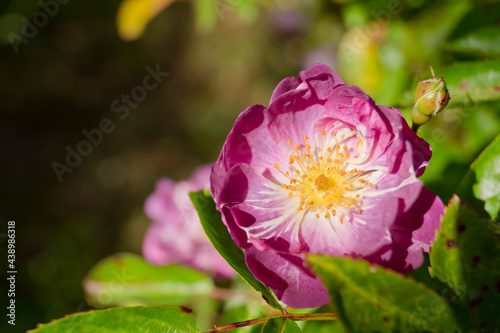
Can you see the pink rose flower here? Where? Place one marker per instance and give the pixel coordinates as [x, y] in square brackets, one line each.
[323, 170]
[176, 235]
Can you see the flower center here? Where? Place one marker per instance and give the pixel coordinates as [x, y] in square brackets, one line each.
[321, 181]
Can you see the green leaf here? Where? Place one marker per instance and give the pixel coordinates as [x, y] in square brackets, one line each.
[127, 279]
[427, 31]
[322, 327]
[478, 184]
[423, 275]
[254, 328]
[487, 171]
[370, 298]
[457, 136]
[484, 41]
[218, 234]
[282, 326]
[125, 320]
[291, 327]
[466, 256]
[472, 82]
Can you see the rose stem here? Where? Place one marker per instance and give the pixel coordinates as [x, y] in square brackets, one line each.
[291, 316]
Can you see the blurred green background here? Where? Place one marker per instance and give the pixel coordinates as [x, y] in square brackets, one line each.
[62, 78]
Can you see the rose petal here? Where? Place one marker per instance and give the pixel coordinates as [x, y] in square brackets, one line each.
[291, 283]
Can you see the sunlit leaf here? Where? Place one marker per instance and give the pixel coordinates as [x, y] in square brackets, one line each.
[457, 136]
[487, 173]
[428, 31]
[473, 81]
[126, 279]
[218, 234]
[125, 320]
[484, 41]
[370, 298]
[466, 256]
[134, 15]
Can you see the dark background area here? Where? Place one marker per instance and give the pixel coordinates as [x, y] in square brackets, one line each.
[62, 82]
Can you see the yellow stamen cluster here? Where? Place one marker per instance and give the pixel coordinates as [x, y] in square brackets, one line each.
[320, 181]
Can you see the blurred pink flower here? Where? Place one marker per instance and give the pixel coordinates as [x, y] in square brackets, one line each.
[176, 235]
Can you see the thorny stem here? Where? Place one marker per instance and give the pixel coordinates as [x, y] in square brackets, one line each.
[285, 316]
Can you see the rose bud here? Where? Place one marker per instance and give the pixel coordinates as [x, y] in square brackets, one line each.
[431, 97]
